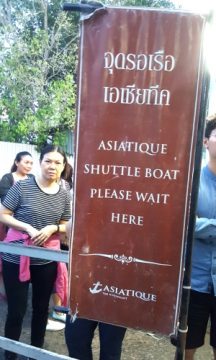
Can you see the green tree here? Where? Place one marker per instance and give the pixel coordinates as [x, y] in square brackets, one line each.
[38, 50]
[38, 57]
[143, 3]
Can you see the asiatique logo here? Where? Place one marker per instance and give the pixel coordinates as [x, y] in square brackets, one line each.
[123, 294]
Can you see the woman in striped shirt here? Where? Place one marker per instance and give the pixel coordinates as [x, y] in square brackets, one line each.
[36, 211]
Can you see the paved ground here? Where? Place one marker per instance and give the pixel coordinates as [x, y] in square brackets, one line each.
[138, 345]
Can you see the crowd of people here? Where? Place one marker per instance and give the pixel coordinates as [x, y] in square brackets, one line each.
[36, 210]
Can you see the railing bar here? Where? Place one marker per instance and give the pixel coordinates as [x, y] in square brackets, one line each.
[35, 252]
[30, 351]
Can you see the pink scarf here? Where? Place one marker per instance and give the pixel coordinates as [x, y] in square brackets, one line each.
[61, 283]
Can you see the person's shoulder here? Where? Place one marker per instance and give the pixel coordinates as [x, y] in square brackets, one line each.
[29, 180]
[65, 184]
[7, 180]
[64, 191]
[26, 182]
[6, 183]
[7, 176]
[207, 173]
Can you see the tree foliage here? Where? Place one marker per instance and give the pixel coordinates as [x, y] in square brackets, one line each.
[143, 3]
[38, 50]
[38, 56]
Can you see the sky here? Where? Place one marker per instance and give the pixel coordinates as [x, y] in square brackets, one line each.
[206, 7]
[197, 5]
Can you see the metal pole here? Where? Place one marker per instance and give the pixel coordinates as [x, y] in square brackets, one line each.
[182, 330]
[83, 7]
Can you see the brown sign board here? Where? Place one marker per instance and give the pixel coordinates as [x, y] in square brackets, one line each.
[140, 78]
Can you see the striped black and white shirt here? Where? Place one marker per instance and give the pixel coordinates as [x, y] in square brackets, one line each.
[30, 204]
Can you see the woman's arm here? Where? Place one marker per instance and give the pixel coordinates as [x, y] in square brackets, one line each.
[68, 228]
[6, 217]
[62, 230]
[62, 226]
[45, 233]
[38, 237]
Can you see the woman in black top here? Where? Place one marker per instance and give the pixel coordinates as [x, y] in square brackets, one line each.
[20, 170]
[36, 209]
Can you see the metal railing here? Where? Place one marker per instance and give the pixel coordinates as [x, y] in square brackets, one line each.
[42, 253]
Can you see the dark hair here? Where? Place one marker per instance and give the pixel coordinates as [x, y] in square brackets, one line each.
[210, 125]
[54, 148]
[18, 158]
[68, 173]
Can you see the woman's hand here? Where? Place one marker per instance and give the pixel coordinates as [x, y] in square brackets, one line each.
[43, 235]
[31, 231]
